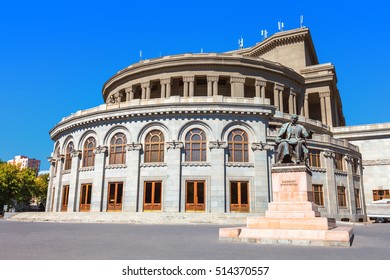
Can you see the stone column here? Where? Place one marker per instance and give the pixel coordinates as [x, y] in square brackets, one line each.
[329, 111]
[131, 186]
[237, 86]
[323, 108]
[278, 96]
[188, 86]
[185, 88]
[260, 88]
[129, 93]
[291, 102]
[50, 189]
[330, 188]
[350, 186]
[209, 87]
[74, 195]
[173, 180]
[98, 179]
[218, 197]
[215, 87]
[145, 90]
[306, 105]
[57, 193]
[165, 87]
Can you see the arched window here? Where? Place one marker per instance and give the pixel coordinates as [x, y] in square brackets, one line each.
[88, 155]
[154, 146]
[117, 149]
[238, 146]
[195, 145]
[68, 156]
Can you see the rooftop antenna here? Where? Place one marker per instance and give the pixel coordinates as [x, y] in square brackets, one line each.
[140, 55]
[280, 25]
[264, 33]
[241, 43]
[301, 21]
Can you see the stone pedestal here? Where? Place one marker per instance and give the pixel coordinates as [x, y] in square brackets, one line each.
[291, 218]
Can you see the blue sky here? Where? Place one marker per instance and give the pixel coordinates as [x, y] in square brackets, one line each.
[56, 55]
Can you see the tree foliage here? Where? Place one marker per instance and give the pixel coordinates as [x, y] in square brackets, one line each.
[19, 186]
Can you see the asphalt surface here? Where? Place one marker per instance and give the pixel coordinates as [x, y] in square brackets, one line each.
[75, 241]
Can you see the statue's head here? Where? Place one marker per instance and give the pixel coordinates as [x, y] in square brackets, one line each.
[294, 118]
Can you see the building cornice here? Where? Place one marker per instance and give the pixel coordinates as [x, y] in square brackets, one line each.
[198, 107]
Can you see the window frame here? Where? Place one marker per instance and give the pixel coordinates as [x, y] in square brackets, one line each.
[190, 143]
[88, 152]
[118, 151]
[235, 153]
[150, 151]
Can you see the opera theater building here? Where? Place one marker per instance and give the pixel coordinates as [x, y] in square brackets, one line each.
[196, 133]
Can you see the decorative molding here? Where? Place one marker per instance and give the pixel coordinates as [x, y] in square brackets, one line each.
[134, 146]
[261, 83]
[116, 166]
[262, 146]
[51, 160]
[324, 94]
[188, 78]
[89, 168]
[153, 164]
[61, 157]
[340, 172]
[217, 145]
[240, 80]
[329, 154]
[165, 81]
[212, 78]
[196, 164]
[240, 164]
[349, 159]
[290, 168]
[100, 149]
[76, 153]
[318, 169]
[376, 162]
[66, 171]
[174, 145]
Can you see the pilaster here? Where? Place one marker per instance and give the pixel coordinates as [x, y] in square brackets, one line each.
[98, 179]
[218, 202]
[330, 191]
[172, 186]
[73, 199]
[212, 85]
[57, 193]
[131, 191]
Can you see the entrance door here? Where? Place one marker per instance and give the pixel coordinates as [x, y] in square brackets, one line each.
[152, 196]
[195, 194]
[65, 196]
[239, 198]
[85, 197]
[115, 192]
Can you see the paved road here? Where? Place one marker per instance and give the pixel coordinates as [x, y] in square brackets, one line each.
[61, 241]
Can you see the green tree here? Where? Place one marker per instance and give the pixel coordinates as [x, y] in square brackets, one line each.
[41, 185]
[18, 186]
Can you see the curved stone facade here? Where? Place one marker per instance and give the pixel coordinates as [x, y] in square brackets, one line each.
[195, 133]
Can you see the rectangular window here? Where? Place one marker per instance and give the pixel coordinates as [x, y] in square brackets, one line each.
[314, 158]
[355, 166]
[341, 195]
[357, 199]
[380, 194]
[85, 197]
[338, 162]
[318, 194]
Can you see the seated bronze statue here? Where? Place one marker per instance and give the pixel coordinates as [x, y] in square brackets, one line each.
[291, 141]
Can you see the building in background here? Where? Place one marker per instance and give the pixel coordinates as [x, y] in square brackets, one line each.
[196, 133]
[26, 162]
